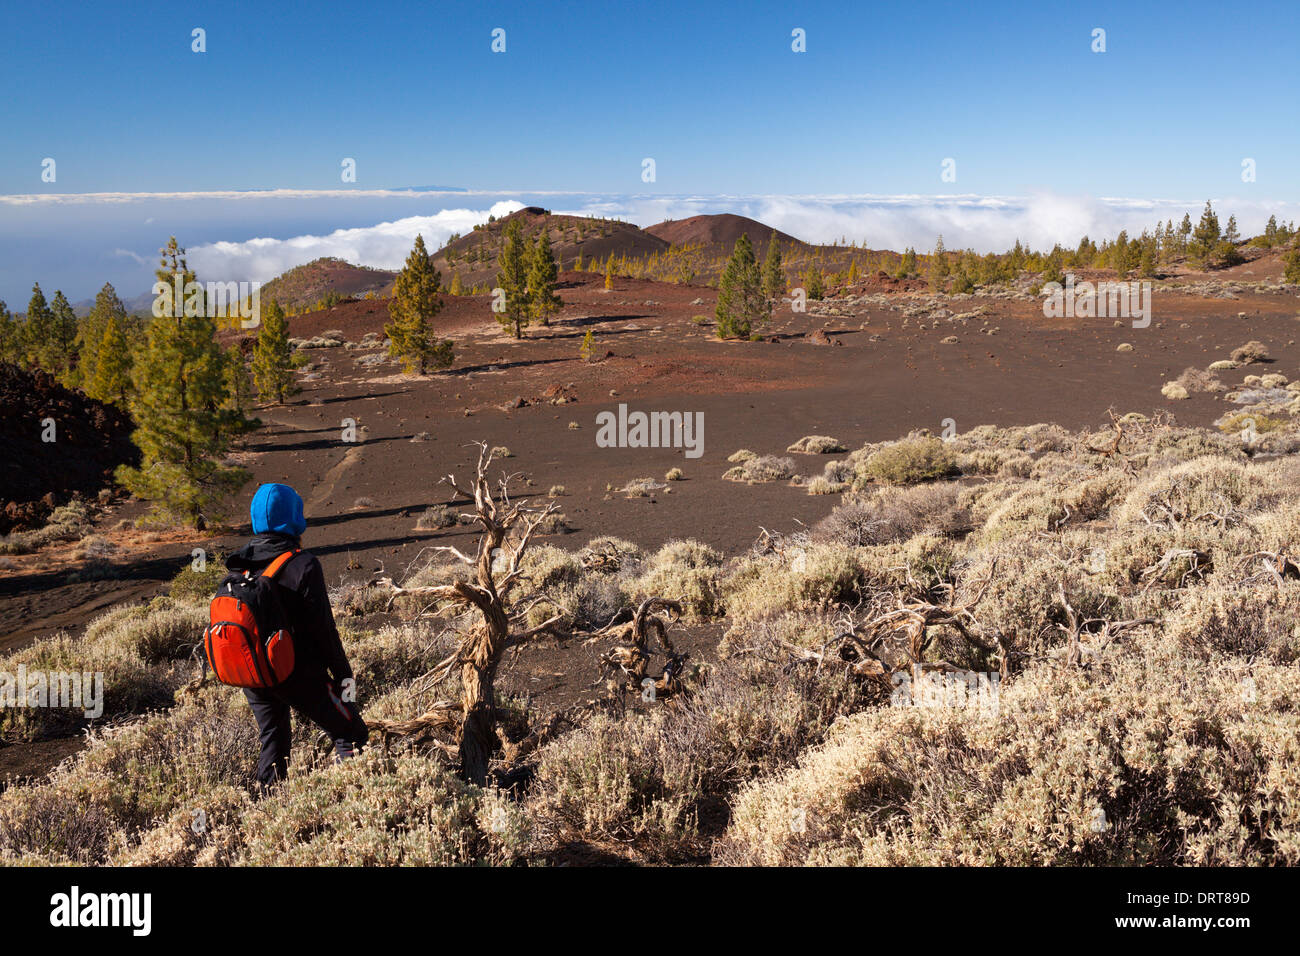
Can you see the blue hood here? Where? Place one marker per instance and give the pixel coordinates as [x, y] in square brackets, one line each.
[277, 508]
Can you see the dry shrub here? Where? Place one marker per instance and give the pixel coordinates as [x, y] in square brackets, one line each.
[685, 571]
[1049, 504]
[817, 445]
[1030, 439]
[760, 469]
[589, 588]
[1120, 766]
[557, 522]
[358, 600]
[548, 567]
[435, 517]
[1198, 380]
[1170, 446]
[660, 780]
[396, 654]
[641, 488]
[130, 684]
[1196, 490]
[163, 630]
[127, 777]
[192, 587]
[996, 461]
[839, 472]
[821, 485]
[1021, 598]
[209, 833]
[68, 522]
[383, 811]
[896, 514]
[925, 561]
[607, 552]
[911, 461]
[814, 578]
[1253, 351]
[1221, 619]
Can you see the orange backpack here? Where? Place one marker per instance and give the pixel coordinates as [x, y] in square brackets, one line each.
[248, 643]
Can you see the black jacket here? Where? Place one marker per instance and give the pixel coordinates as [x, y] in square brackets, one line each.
[304, 598]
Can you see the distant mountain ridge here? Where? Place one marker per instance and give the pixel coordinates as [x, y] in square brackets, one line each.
[472, 257]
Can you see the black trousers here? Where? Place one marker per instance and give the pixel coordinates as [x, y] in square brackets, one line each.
[310, 692]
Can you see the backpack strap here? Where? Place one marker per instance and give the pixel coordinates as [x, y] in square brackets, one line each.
[274, 567]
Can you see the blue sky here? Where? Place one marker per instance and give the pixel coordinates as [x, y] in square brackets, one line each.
[585, 91]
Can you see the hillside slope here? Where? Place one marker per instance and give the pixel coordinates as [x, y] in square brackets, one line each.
[474, 256]
[723, 229]
[308, 284]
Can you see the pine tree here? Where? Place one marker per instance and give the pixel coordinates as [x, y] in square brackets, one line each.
[512, 279]
[1053, 265]
[182, 430]
[773, 270]
[1120, 255]
[10, 336]
[1270, 232]
[62, 349]
[814, 285]
[90, 335]
[543, 271]
[1184, 233]
[111, 379]
[742, 307]
[238, 391]
[273, 357]
[1147, 262]
[587, 348]
[939, 270]
[1231, 234]
[1292, 262]
[961, 280]
[38, 330]
[609, 272]
[906, 265]
[456, 287]
[1226, 250]
[414, 304]
[1206, 236]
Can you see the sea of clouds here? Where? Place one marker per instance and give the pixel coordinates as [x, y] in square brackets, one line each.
[78, 241]
[986, 224]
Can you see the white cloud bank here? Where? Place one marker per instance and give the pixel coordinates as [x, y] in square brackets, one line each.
[984, 223]
[384, 246]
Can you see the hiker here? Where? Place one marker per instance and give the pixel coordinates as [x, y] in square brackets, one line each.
[306, 671]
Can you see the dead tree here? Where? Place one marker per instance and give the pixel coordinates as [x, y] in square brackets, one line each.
[630, 660]
[1277, 565]
[495, 569]
[1104, 630]
[507, 530]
